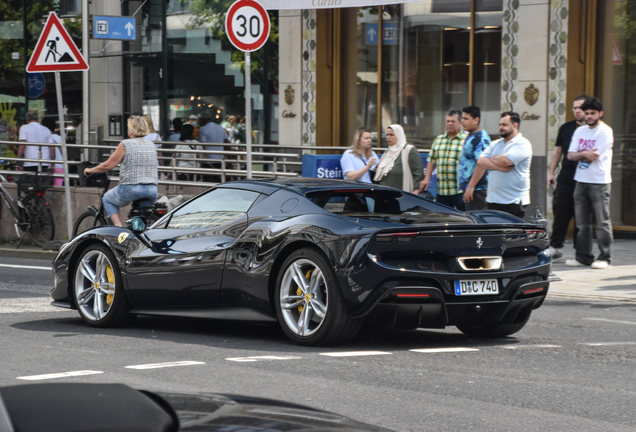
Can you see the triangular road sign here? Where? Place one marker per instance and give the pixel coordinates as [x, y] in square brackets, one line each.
[55, 50]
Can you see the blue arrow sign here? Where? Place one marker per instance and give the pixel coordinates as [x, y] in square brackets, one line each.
[389, 30]
[112, 27]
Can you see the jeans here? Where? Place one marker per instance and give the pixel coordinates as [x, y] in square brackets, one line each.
[593, 199]
[454, 201]
[124, 194]
[563, 206]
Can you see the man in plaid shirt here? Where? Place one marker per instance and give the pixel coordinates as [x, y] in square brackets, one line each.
[445, 155]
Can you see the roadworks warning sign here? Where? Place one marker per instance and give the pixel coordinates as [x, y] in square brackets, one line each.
[55, 50]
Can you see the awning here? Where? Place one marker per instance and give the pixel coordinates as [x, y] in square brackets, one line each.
[326, 4]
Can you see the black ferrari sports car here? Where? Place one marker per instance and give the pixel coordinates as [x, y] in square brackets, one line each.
[75, 407]
[319, 256]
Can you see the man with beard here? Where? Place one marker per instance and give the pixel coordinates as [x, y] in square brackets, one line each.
[592, 147]
[563, 202]
[508, 161]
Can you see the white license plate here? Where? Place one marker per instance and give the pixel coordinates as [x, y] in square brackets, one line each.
[476, 287]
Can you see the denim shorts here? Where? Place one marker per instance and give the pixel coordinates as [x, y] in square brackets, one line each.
[124, 194]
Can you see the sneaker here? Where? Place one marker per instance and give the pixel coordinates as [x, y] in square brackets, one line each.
[574, 263]
[557, 253]
[600, 265]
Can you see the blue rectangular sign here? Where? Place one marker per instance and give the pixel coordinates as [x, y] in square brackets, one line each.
[112, 27]
[389, 29]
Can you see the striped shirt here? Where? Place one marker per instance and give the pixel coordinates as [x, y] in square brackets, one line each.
[140, 162]
[445, 155]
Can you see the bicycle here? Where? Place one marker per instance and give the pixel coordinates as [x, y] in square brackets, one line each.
[94, 217]
[31, 212]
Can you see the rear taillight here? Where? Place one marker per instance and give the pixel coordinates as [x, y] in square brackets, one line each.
[403, 237]
[41, 193]
[161, 212]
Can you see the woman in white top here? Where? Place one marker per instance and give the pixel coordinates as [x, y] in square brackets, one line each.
[359, 160]
[152, 133]
[186, 142]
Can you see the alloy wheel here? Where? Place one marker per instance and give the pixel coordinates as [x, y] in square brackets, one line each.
[303, 297]
[94, 285]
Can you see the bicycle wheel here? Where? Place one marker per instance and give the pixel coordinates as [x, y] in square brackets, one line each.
[40, 220]
[86, 221]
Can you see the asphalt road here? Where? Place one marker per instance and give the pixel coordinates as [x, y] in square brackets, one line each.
[572, 368]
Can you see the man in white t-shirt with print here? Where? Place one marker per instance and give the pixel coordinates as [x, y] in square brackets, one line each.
[592, 148]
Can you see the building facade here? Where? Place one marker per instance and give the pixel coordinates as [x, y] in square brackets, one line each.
[332, 66]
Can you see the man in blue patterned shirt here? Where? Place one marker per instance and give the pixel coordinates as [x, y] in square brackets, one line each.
[473, 180]
[444, 156]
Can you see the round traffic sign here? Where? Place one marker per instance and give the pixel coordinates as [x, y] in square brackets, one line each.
[247, 25]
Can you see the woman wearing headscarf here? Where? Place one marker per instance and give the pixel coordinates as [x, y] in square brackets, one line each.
[400, 166]
[358, 162]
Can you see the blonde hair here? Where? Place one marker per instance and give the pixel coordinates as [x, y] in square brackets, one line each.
[137, 126]
[357, 135]
[151, 126]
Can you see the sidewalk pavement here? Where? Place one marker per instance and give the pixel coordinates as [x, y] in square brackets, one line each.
[618, 283]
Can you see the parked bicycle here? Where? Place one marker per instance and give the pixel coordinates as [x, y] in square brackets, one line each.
[31, 212]
[94, 216]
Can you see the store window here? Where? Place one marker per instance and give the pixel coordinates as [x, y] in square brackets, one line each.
[616, 86]
[425, 58]
[194, 70]
[20, 29]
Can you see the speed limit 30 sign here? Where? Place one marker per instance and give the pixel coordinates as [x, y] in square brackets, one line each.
[247, 25]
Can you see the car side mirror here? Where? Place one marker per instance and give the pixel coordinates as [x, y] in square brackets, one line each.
[137, 225]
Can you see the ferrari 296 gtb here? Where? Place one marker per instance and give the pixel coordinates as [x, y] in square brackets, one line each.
[319, 256]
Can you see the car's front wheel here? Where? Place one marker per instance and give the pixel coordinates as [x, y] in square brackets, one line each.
[493, 330]
[309, 304]
[98, 290]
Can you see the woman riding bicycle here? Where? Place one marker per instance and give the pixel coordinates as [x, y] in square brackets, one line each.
[138, 172]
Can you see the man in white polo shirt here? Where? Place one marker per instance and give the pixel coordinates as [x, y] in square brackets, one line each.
[508, 161]
[592, 147]
[34, 132]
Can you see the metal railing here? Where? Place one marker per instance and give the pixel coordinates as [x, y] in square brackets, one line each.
[278, 160]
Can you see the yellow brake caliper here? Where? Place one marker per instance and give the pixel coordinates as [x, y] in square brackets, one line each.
[300, 292]
[111, 280]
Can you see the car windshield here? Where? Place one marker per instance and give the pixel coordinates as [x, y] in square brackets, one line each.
[380, 203]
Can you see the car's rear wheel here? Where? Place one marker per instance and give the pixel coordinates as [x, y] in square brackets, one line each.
[493, 330]
[98, 290]
[309, 304]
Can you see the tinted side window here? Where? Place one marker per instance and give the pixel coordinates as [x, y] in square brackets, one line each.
[213, 209]
[374, 202]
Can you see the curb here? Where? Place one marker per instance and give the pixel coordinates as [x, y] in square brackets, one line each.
[10, 251]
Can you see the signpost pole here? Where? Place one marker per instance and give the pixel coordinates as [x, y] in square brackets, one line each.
[86, 107]
[67, 188]
[248, 113]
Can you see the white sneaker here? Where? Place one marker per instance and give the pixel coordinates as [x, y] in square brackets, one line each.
[574, 263]
[556, 253]
[600, 265]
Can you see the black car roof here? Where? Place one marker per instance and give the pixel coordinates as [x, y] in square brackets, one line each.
[301, 185]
